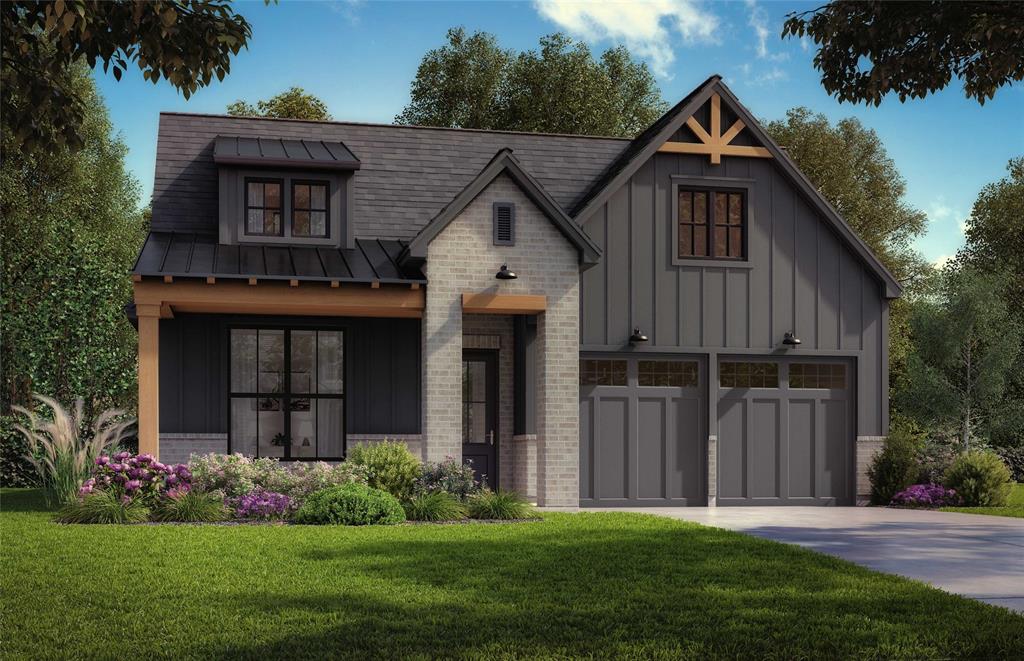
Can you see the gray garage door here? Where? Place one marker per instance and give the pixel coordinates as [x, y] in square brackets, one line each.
[641, 431]
[785, 432]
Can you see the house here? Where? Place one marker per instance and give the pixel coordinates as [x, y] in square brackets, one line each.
[677, 319]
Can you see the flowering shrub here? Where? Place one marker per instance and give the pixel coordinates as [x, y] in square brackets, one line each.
[237, 475]
[262, 505]
[450, 476]
[133, 477]
[926, 496]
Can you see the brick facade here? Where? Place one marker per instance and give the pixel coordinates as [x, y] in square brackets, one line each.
[867, 448]
[463, 258]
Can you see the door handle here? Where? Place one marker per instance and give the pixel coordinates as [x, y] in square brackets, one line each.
[490, 437]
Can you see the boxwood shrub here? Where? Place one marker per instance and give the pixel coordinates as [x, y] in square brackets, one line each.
[980, 478]
[389, 466]
[350, 505]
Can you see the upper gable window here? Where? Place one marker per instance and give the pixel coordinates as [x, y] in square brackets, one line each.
[309, 209]
[263, 207]
[711, 223]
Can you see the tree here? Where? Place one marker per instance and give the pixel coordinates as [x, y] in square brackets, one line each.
[472, 83]
[186, 42]
[848, 163]
[965, 345]
[995, 245]
[870, 48]
[70, 234]
[294, 104]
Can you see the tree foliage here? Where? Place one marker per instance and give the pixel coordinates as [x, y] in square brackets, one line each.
[186, 42]
[869, 48]
[295, 103]
[471, 82]
[71, 230]
[966, 342]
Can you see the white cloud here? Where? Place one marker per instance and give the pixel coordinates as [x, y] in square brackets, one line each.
[758, 20]
[941, 261]
[347, 9]
[805, 44]
[647, 28]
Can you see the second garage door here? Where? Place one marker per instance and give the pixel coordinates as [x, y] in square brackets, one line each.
[785, 432]
[642, 431]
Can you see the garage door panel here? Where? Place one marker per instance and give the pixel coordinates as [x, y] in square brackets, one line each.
[612, 434]
[586, 448]
[835, 465]
[802, 455]
[685, 459]
[732, 448]
[652, 438]
[763, 466]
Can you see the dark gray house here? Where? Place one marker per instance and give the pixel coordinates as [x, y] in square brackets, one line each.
[677, 319]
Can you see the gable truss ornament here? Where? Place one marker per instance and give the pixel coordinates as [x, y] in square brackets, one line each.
[714, 144]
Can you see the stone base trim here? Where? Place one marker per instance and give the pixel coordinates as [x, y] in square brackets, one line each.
[867, 448]
[413, 441]
[524, 466]
[178, 448]
[712, 470]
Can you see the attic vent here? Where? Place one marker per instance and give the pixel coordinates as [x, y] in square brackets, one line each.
[504, 224]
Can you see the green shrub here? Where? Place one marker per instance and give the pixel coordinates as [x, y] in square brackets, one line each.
[192, 507]
[104, 507]
[15, 468]
[435, 506]
[500, 505]
[980, 478]
[1014, 460]
[389, 466]
[450, 476]
[350, 505]
[894, 468]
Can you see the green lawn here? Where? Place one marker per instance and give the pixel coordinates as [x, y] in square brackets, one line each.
[596, 585]
[1014, 508]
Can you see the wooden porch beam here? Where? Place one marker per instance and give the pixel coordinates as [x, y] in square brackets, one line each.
[487, 303]
[710, 150]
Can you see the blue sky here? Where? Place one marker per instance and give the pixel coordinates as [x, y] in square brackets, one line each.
[359, 57]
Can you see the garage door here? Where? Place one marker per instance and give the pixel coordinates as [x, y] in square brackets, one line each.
[641, 431]
[785, 432]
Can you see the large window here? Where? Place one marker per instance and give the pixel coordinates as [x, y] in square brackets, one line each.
[309, 209]
[711, 223]
[287, 393]
[263, 207]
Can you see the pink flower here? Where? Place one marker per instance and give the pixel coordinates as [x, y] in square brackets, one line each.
[132, 485]
[102, 460]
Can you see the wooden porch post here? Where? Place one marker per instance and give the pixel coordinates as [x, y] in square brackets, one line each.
[149, 379]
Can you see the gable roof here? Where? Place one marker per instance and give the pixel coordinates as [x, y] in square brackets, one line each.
[647, 143]
[505, 163]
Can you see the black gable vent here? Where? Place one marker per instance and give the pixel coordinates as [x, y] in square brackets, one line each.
[504, 224]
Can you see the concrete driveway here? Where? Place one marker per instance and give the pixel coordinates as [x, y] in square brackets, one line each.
[976, 556]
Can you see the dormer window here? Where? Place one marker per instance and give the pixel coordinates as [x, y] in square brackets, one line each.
[309, 209]
[263, 207]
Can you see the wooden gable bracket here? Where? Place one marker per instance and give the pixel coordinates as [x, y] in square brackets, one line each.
[715, 143]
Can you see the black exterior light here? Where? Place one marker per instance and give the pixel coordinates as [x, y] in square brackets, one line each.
[791, 340]
[504, 274]
[637, 337]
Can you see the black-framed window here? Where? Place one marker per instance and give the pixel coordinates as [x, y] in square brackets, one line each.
[748, 375]
[667, 373]
[263, 206]
[711, 223]
[600, 372]
[310, 217]
[287, 392]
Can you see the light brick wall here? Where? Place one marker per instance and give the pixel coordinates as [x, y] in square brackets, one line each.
[177, 448]
[463, 258]
[524, 451]
[867, 448]
[485, 331]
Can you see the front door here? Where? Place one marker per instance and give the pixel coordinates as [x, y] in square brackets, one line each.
[480, 414]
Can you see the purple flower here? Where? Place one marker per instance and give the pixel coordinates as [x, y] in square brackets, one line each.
[126, 499]
[157, 466]
[144, 458]
[120, 479]
[172, 479]
[925, 495]
[102, 460]
[136, 473]
[183, 472]
[121, 456]
[259, 504]
[117, 468]
[132, 485]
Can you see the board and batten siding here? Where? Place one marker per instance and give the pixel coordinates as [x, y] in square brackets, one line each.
[382, 372]
[798, 276]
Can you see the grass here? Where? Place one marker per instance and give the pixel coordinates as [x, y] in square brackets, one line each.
[594, 585]
[1014, 506]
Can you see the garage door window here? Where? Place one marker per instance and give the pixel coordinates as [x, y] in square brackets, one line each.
[668, 373]
[602, 372]
[817, 375]
[748, 375]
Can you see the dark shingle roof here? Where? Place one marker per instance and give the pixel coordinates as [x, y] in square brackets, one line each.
[192, 255]
[407, 174]
[264, 151]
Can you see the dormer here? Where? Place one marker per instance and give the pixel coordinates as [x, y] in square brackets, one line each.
[284, 191]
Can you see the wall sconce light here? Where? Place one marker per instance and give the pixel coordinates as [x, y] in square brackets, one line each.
[504, 274]
[791, 340]
[637, 337]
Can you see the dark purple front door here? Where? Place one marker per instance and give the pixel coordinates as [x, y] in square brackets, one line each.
[480, 414]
